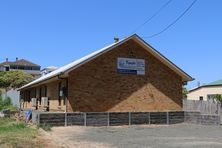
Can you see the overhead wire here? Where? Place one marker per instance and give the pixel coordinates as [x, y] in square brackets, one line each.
[154, 15]
[174, 22]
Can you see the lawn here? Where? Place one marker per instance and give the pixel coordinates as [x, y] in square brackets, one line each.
[17, 134]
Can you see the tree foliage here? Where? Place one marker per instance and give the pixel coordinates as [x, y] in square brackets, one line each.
[218, 97]
[14, 79]
[185, 92]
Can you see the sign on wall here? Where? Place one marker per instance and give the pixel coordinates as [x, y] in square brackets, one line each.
[131, 66]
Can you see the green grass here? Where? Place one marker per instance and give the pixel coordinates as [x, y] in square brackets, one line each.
[16, 134]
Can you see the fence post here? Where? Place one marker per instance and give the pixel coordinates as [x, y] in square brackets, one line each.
[65, 118]
[38, 118]
[149, 117]
[167, 118]
[210, 107]
[129, 118]
[84, 119]
[108, 119]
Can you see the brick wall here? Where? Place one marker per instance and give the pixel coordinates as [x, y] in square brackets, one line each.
[97, 87]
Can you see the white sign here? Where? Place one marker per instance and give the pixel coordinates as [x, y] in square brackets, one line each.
[131, 66]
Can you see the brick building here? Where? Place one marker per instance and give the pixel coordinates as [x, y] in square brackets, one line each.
[128, 75]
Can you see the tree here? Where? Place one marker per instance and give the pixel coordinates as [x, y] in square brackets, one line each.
[218, 97]
[185, 92]
[14, 79]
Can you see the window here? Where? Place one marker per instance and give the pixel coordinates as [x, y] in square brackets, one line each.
[28, 68]
[201, 98]
[21, 67]
[35, 68]
[13, 67]
[7, 68]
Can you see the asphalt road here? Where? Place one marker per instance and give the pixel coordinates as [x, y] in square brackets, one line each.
[173, 136]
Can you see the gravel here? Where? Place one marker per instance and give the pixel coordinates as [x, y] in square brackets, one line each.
[172, 136]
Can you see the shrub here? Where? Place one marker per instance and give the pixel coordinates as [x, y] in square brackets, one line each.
[6, 104]
[7, 101]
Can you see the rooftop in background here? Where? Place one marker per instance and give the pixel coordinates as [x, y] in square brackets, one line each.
[215, 83]
[23, 65]
[218, 82]
[17, 62]
[48, 70]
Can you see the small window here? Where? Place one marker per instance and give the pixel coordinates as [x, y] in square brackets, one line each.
[201, 98]
[28, 68]
[13, 67]
[21, 67]
[35, 68]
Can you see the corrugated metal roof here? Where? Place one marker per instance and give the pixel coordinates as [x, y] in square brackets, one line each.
[215, 83]
[93, 55]
[218, 82]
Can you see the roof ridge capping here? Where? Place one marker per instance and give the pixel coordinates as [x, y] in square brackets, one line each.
[73, 65]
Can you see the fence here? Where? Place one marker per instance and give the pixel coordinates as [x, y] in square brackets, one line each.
[204, 107]
[196, 112]
[202, 112]
[108, 118]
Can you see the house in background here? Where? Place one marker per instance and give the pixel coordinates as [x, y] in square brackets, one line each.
[126, 76]
[21, 64]
[48, 70]
[206, 92]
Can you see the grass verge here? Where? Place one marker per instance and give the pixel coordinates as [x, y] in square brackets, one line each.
[17, 134]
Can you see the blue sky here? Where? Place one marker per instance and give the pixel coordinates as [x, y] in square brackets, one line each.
[56, 32]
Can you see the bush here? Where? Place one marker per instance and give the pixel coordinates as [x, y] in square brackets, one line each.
[7, 101]
[6, 104]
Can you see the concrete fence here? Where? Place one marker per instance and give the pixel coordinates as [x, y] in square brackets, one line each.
[107, 118]
[123, 118]
[194, 112]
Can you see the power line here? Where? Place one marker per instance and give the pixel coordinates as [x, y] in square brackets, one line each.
[174, 22]
[150, 18]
